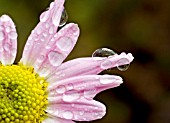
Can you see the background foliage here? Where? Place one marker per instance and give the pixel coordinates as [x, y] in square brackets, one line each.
[137, 26]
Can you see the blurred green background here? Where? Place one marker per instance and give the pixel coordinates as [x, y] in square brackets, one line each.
[137, 26]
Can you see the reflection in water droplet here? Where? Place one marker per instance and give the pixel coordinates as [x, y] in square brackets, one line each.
[123, 67]
[71, 95]
[106, 64]
[64, 43]
[122, 64]
[64, 18]
[103, 52]
[68, 115]
[60, 89]
[106, 79]
[55, 58]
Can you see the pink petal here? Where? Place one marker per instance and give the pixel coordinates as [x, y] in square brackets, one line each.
[56, 50]
[86, 86]
[52, 119]
[79, 110]
[88, 66]
[8, 40]
[43, 32]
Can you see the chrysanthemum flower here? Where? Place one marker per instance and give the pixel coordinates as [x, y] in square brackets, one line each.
[42, 89]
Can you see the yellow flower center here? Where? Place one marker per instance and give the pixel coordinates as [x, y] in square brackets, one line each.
[23, 96]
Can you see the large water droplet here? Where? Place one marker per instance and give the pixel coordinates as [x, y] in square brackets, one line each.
[122, 67]
[64, 18]
[64, 43]
[71, 95]
[68, 115]
[55, 58]
[60, 89]
[103, 52]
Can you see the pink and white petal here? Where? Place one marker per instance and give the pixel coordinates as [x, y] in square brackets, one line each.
[88, 66]
[8, 40]
[79, 110]
[43, 32]
[51, 119]
[56, 50]
[86, 86]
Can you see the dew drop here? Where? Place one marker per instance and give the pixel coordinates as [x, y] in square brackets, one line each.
[7, 47]
[1, 36]
[44, 16]
[70, 86]
[81, 112]
[64, 18]
[68, 115]
[60, 89]
[64, 43]
[122, 66]
[71, 95]
[13, 35]
[103, 52]
[41, 58]
[106, 64]
[55, 58]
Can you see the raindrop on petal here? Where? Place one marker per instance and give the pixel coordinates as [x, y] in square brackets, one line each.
[7, 47]
[64, 43]
[1, 36]
[123, 67]
[13, 35]
[68, 115]
[64, 18]
[103, 52]
[71, 95]
[106, 79]
[60, 89]
[55, 58]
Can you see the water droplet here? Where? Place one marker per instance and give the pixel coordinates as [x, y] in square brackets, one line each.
[51, 30]
[68, 115]
[41, 58]
[7, 47]
[71, 95]
[70, 86]
[44, 16]
[51, 5]
[81, 112]
[60, 89]
[8, 29]
[55, 58]
[64, 43]
[13, 35]
[123, 67]
[106, 64]
[1, 36]
[106, 79]
[64, 18]
[103, 52]
[121, 64]
[90, 93]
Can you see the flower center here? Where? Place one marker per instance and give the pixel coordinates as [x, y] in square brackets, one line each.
[23, 96]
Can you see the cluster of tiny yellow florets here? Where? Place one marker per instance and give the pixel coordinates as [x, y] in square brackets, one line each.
[23, 96]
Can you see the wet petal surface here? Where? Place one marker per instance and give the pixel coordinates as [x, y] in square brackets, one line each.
[8, 40]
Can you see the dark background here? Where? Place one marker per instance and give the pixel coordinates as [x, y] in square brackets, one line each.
[137, 26]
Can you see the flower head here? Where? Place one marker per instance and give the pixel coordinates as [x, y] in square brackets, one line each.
[40, 88]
